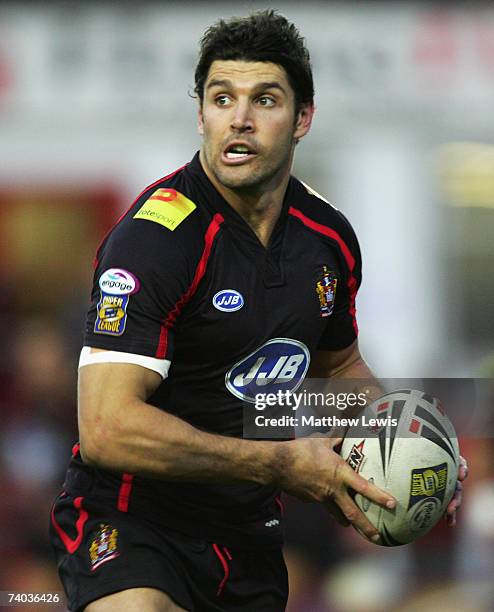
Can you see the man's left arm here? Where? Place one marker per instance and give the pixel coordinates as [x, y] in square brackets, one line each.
[348, 364]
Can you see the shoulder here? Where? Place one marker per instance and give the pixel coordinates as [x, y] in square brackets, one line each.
[165, 218]
[166, 202]
[166, 207]
[321, 217]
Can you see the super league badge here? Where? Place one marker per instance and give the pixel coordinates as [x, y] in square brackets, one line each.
[326, 291]
[111, 314]
[116, 286]
[104, 546]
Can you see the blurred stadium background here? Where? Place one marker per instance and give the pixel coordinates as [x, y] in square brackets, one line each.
[95, 104]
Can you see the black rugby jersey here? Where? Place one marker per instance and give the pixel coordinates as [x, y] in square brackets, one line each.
[183, 277]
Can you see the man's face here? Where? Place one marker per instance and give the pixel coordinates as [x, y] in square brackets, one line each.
[249, 125]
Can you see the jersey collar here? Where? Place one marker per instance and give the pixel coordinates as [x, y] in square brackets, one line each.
[216, 203]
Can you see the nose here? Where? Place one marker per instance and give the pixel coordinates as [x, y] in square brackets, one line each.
[242, 120]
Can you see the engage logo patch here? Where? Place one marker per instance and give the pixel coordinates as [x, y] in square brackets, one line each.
[116, 281]
[278, 365]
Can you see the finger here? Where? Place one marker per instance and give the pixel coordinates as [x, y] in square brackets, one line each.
[355, 517]
[336, 513]
[455, 503]
[338, 431]
[451, 519]
[368, 489]
[334, 442]
[463, 469]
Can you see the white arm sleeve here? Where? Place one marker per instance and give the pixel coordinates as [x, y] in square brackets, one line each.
[151, 363]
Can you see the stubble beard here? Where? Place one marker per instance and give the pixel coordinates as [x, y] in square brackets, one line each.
[255, 176]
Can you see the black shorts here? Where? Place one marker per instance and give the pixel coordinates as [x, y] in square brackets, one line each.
[101, 551]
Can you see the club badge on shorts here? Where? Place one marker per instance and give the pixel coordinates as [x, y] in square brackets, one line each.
[104, 546]
[326, 291]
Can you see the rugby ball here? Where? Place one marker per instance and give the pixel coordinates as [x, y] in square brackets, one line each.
[405, 444]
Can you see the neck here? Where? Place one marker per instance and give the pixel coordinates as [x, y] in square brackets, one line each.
[260, 206]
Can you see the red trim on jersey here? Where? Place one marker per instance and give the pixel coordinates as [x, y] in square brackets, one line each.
[224, 563]
[227, 553]
[349, 258]
[164, 178]
[281, 505]
[162, 199]
[124, 493]
[209, 237]
[75, 449]
[72, 545]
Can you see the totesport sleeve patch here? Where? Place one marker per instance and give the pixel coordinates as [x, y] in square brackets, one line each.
[167, 207]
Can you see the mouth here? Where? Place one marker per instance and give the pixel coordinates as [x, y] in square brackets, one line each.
[237, 153]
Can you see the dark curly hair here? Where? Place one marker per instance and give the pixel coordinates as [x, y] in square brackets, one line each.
[264, 36]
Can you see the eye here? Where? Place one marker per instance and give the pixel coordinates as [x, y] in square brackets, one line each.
[266, 101]
[222, 100]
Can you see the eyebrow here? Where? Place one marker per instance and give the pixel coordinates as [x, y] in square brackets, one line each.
[259, 86]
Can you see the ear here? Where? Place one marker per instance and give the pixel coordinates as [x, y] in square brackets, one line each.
[304, 120]
[200, 119]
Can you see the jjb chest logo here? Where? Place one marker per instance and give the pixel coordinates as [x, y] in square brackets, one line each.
[228, 300]
[278, 365]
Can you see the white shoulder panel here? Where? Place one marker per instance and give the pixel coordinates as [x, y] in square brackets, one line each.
[318, 195]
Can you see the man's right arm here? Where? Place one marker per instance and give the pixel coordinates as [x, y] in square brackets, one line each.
[119, 431]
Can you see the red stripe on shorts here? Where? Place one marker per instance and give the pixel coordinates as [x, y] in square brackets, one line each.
[70, 544]
[124, 493]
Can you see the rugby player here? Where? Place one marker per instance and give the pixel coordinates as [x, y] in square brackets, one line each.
[227, 276]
